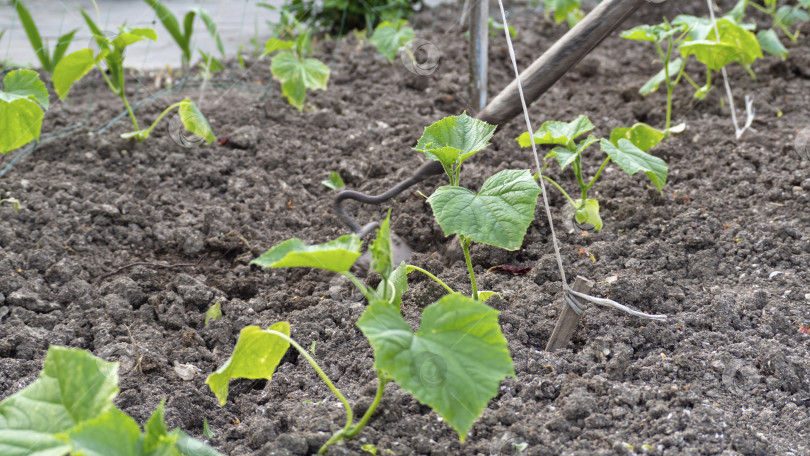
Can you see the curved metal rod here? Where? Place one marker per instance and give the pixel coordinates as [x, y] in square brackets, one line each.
[537, 79]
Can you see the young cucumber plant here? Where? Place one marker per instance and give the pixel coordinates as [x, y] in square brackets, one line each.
[47, 60]
[69, 410]
[23, 99]
[111, 50]
[464, 376]
[292, 67]
[565, 10]
[627, 147]
[500, 213]
[457, 380]
[182, 37]
[666, 37]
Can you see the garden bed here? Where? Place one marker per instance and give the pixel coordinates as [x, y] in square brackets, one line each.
[121, 247]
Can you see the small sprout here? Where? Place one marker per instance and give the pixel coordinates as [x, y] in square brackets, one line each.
[369, 448]
[207, 432]
[213, 313]
[335, 182]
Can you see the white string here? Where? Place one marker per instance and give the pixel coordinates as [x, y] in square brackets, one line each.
[570, 295]
[749, 102]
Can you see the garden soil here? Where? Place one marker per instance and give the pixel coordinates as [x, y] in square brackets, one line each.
[120, 248]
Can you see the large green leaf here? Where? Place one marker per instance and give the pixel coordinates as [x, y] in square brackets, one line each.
[194, 121]
[70, 69]
[498, 215]
[736, 44]
[275, 44]
[128, 36]
[640, 134]
[26, 84]
[338, 255]
[555, 132]
[390, 36]
[454, 363]
[631, 160]
[298, 74]
[73, 387]
[256, 355]
[454, 139]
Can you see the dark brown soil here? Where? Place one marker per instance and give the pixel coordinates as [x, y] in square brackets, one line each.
[724, 251]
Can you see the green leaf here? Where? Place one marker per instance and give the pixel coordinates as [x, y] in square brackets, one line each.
[790, 15]
[128, 36]
[110, 433]
[631, 160]
[388, 37]
[207, 432]
[485, 295]
[26, 84]
[74, 386]
[652, 33]
[337, 256]
[34, 38]
[157, 441]
[382, 261]
[454, 363]
[213, 313]
[70, 69]
[651, 86]
[169, 21]
[212, 29]
[769, 42]
[194, 121]
[640, 134]
[275, 44]
[454, 139]
[397, 285]
[188, 446]
[62, 45]
[562, 8]
[498, 215]
[736, 44]
[298, 74]
[334, 182]
[20, 111]
[256, 355]
[554, 132]
[589, 213]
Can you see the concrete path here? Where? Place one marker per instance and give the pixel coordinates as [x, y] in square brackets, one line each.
[238, 22]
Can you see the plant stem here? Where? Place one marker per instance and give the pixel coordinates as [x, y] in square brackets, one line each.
[565, 194]
[669, 84]
[577, 165]
[436, 279]
[465, 246]
[314, 364]
[359, 285]
[161, 116]
[121, 94]
[595, 176]
[382, 379]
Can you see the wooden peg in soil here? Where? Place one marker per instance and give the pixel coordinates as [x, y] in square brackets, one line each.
[568, 320]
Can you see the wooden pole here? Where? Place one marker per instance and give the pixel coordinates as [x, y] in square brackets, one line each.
[478, 54]
[568, 320]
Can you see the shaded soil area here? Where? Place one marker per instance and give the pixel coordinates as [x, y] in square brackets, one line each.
[121, 247]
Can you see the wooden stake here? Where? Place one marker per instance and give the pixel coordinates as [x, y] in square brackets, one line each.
[567, 322]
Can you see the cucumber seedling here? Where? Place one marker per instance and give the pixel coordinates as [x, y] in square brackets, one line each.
[389, 37]
[564, 10]
[627, 147]
[111, 50]
[457, 380]
[291, 65]
[784, 17]
[69, 410]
